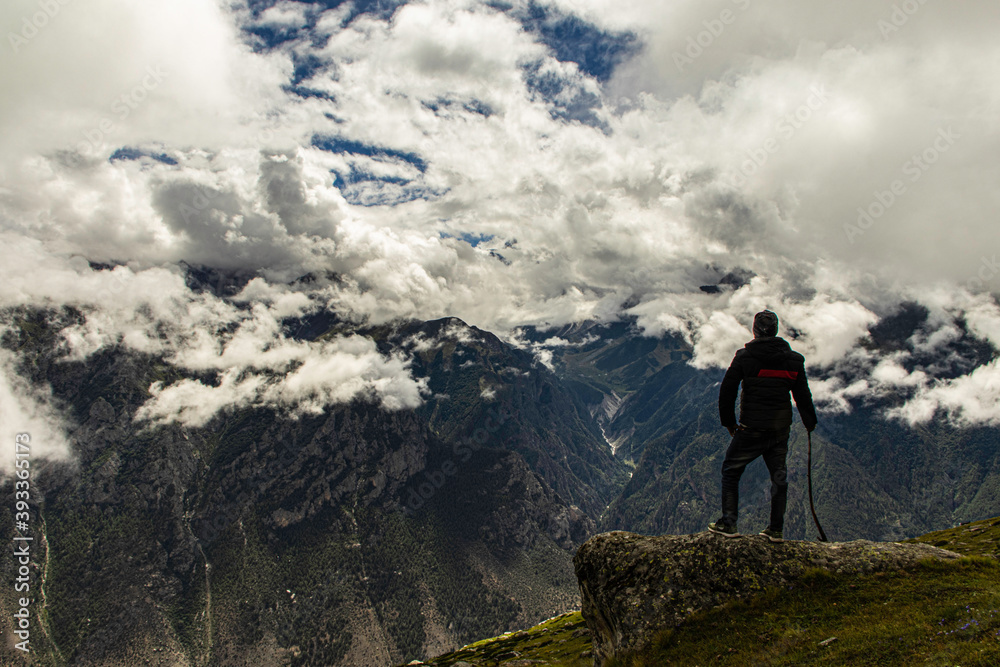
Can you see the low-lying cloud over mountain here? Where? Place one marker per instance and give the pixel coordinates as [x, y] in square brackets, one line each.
[509, 163]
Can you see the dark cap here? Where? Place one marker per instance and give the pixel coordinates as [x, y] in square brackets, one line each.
[765, 323]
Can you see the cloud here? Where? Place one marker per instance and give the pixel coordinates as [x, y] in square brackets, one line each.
[361, 148]
[825, 328]
[240, 341]
[970, 400]
[25, 409]
[304, 379]
[84, 78]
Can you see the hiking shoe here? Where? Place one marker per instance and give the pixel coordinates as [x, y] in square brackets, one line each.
[723, 529]
[773, 535]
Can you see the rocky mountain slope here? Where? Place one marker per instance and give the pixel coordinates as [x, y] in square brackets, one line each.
[358, 536]
[367, 536]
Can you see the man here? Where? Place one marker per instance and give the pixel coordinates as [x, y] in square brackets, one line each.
[768, 369]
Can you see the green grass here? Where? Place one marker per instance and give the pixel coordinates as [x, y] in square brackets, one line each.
[940, 613]
[561, 641]
[971, 539]
[937, 614]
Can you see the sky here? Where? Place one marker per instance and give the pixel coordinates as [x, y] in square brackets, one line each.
[509, 163]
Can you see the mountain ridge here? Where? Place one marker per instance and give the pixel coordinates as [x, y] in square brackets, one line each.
[266, 537]
[364, 535]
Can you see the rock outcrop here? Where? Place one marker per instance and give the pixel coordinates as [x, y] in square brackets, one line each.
[631, 586]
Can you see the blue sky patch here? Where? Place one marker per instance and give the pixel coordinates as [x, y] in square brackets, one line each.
[271, 35]
[470, 238]
[352, 147]
[473, 106]
[503, 260]
[130, 153]
[362, 187]
[343, 180]
[306, 67]
[309, 93]
[567, 100]
[382, 9]
[597, 52]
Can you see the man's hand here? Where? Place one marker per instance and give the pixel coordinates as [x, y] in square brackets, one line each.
[732, 430]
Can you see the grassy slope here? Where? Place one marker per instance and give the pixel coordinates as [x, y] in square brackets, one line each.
[562, 640]
[937, 614]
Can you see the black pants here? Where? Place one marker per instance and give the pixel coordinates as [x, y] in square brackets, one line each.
[745, 447]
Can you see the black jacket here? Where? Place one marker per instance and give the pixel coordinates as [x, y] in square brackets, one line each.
[769, 369]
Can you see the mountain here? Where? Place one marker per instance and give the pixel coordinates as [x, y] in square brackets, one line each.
[470, 371]
[358, 536]
[873, 477]
[368, 536]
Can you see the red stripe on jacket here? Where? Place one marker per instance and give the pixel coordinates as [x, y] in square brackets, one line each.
[771, 373]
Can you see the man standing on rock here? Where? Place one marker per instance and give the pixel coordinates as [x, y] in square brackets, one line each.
[768, 369]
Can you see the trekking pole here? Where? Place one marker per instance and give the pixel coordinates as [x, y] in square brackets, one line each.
[809, 476]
